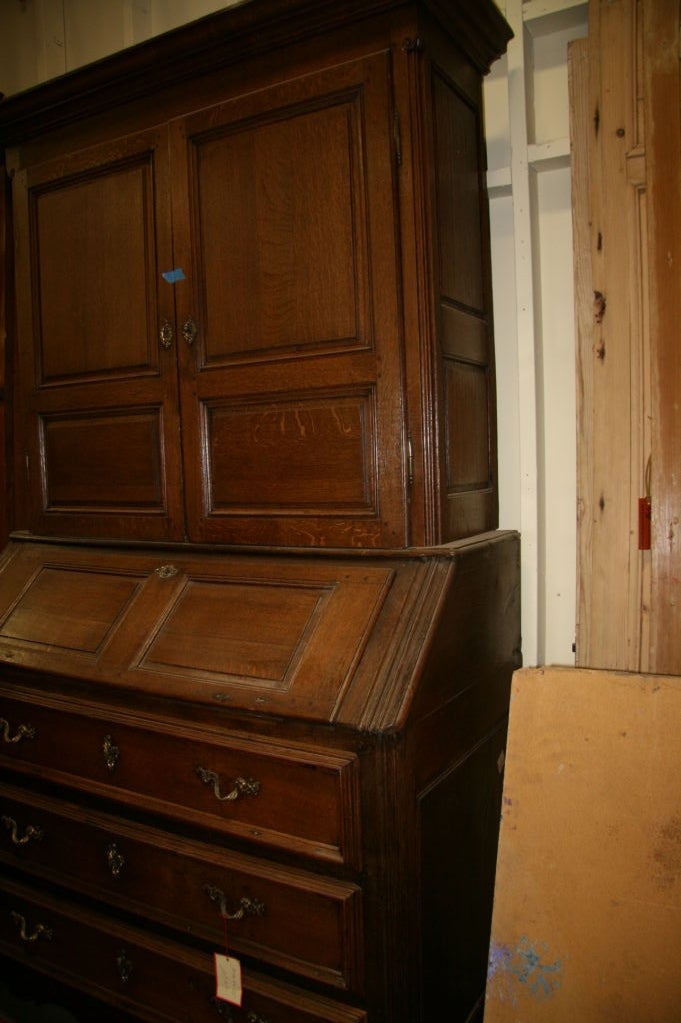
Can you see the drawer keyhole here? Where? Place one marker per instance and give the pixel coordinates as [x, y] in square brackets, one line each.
[111, 753]
[115, 859]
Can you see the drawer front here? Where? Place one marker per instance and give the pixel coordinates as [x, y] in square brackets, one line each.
[156, 979]
[291, 918]
[288, 797]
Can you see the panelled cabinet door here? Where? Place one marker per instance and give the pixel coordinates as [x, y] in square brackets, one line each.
[97, 427]
[284, 224]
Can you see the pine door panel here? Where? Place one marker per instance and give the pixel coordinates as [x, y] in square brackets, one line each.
[291, 387]
[97, 428]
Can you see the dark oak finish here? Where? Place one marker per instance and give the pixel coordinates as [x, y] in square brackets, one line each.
[398, 694]
[256, 627]
[320, 370]
[152, 978]
[306, 923]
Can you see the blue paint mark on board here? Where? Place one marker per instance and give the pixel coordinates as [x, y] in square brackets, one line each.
[529, 965]
[533, 969]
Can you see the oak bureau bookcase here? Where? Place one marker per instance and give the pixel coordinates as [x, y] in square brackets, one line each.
[257, 622]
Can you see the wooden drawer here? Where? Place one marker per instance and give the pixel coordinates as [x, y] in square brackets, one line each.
[277, 794]
[295, 919]
[156, 979]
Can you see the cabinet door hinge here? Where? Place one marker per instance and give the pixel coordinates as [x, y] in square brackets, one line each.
[397, 134]
[410, 462]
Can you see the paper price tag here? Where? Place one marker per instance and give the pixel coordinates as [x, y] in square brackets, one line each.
[228, 979]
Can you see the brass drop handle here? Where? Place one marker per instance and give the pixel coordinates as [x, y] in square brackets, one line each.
[242, 786]
[165, 334]
[123, 966]
[40, 930]
[247, 907]
[22, 732]
[189, 330]
[31, 833]
[115, 859]
[111, 752]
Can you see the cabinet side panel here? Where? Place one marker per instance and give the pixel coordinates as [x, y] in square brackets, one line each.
[462, 300]
[457, 865]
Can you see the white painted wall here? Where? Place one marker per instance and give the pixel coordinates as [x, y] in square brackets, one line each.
[527, 128]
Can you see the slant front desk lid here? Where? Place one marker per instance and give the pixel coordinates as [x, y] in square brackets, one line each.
[326, 639]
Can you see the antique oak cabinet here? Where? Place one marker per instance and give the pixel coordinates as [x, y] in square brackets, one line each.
[257, 624]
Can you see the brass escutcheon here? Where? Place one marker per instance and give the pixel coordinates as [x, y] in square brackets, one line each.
[111, 752]
[189, 330]
[115, 859]
[123, 966]
[166, 571]
[165, 334]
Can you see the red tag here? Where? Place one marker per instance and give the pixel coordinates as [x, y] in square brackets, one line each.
[644, 523]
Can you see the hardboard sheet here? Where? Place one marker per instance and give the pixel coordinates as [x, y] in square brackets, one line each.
[587, 910]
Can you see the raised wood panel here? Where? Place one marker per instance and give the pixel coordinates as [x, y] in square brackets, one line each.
[464, 374]
[459, 196]
[309, 454]
[83, 257]
[292, 404]
[283, 636]
[284, 639]
[208, 632]
[464, 335]
[468, 448]
[95, 462]
[457, 896]
[281, 231]
[96, 425]
[67, 608]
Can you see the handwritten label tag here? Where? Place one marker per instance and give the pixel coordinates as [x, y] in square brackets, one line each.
[228, 979]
